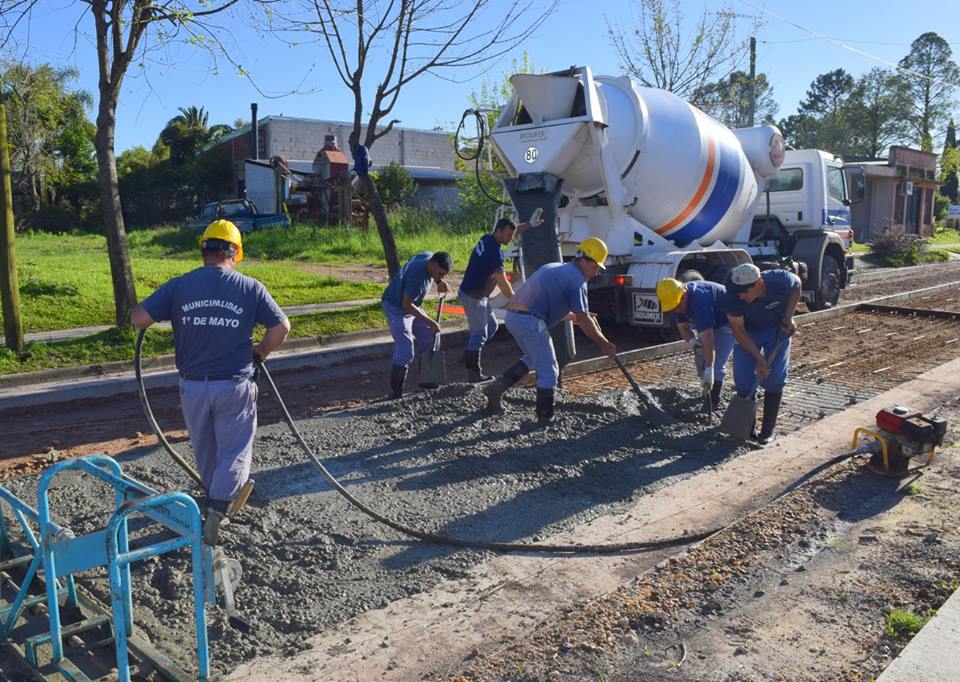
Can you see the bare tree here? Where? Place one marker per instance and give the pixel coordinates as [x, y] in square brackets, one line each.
[392, 43]
[121, 28]
[659, 51]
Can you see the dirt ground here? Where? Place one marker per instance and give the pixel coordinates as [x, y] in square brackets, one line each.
[797, 591]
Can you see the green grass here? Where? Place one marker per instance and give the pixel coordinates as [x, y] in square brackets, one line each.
[944, 235]
[911, 489]
[65, 279]
[904, 625]
[857, 247]
[115, 345]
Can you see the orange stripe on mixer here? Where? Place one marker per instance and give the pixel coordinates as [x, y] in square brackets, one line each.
[701, 190]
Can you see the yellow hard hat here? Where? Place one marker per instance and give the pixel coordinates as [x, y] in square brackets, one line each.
[225, 230]
[595, 250]
[669, 293]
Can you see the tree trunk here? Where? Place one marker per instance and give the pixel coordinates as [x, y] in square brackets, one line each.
[383, 225]
[9, 291]
[124, 293]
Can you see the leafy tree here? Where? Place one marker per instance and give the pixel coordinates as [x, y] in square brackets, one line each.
[660, 51]
[187, 133]
[728, 99]
[933, 79]
[133, 160]
[50, 136]
[120, 28]
[822, 120]
[949, 170]
[877, 112]
[395, 184]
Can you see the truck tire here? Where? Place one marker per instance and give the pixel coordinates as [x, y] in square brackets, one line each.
[827, 295]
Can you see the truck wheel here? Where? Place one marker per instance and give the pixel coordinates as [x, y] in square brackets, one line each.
[690, 275]
[828, 294]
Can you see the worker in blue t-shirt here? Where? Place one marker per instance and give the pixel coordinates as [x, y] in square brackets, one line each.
[556, 292]
[213, 310]
[760, 307]
[484, 272]
[704, 306]
[410, 325]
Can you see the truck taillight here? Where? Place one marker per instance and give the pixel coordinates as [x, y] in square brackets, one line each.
[624, 280]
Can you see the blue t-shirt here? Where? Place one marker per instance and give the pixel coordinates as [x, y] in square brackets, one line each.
[767, 312]
[485, 260]
[553, 291]
[213, 311]
[412, 280]
[706, 305]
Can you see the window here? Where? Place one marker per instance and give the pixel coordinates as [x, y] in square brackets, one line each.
[786, 180]
[928, 207]
[835, 183]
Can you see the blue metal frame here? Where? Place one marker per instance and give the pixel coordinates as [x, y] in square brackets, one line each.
[62, 554]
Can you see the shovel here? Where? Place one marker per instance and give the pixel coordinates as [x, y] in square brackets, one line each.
[433, 366]
[660, 415]
[699, 363]
[740, 419]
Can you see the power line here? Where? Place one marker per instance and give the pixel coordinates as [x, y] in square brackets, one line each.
[847, 47]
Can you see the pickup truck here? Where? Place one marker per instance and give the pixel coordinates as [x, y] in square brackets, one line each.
[241, 212]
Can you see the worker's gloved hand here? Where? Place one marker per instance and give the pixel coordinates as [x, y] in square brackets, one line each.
[706, 379]
[536, 218]
[694, 343]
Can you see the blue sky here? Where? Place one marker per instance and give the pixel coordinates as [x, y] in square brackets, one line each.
[573, 35]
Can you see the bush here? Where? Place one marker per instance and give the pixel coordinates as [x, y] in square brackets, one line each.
[394, 184]
[896, 250]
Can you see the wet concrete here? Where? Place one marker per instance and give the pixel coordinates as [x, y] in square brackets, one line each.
[435, 461]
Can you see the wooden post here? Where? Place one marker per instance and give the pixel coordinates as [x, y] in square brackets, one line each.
[9, 291]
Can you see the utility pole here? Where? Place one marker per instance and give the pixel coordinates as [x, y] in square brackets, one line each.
[753, 81]
[9, 291]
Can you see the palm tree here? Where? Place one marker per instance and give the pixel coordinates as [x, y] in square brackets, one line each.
[187, 133]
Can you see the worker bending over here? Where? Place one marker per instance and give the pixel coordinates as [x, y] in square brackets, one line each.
[410, 325]
[704, 305]
[556, 292]
[212, 310]
[484, 272]
[760, 308]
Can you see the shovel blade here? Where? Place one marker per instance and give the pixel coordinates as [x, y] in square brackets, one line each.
[740, 419]
[433, 367]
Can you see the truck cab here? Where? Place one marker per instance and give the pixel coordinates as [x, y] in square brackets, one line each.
[804, 212]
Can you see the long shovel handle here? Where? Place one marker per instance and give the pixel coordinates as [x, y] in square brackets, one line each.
[768, 361]
[633, 383]
[436, 337]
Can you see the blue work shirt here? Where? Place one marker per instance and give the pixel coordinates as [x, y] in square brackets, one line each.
[412, 280]
[212, 311]
[486, 259]
[706, 305]
[766, 312]
[553, 291]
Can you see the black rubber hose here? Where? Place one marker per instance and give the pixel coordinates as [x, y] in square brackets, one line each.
[395, 525]
[608, 548]
[148, 412]
[476, 157]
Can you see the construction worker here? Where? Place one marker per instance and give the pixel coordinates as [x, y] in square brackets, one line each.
[484, 272]
[213, 310]
[410, 325]
[555, 293]
[760, 307]
[704, 305]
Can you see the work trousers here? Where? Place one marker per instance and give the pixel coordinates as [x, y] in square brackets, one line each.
[723, 341]
[481, 321]
[745, 367]
[533, 337]
[409, 334]
[221, 418]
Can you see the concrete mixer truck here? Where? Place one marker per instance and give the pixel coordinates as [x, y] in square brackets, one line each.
[673, 192]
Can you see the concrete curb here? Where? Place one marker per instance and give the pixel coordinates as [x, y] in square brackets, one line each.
[932, 655]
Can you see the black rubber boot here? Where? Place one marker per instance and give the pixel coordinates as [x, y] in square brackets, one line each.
[475, 375]
[715, 392]
[398, 376]
[771, 408]
[495, 390]
[544, 406]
